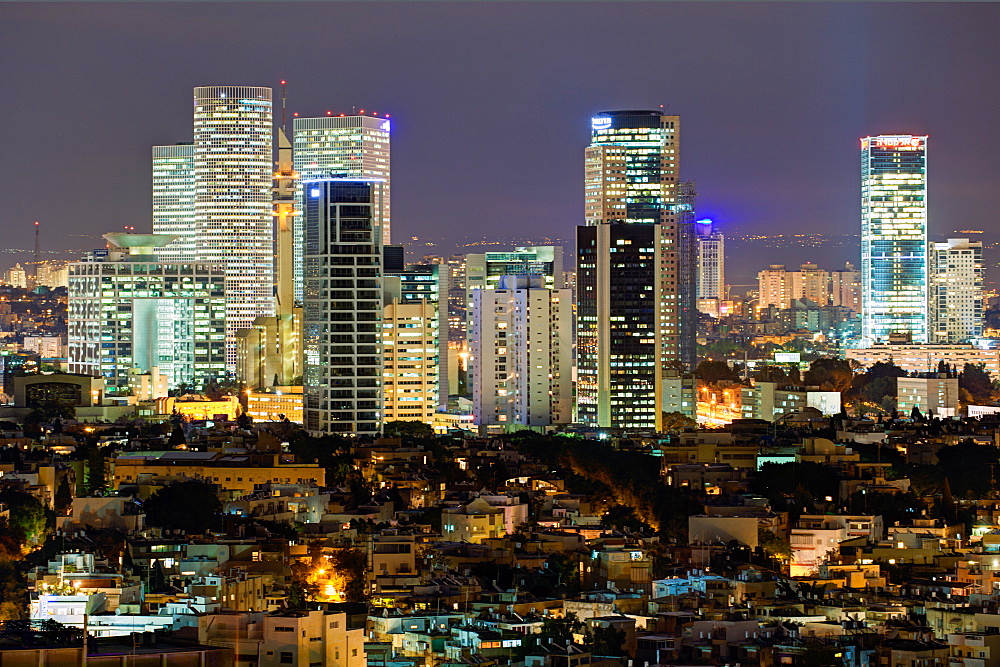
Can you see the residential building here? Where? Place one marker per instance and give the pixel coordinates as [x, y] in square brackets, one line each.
[413, 284]
[410, 337]
[894, 237]
[129, 311]
[16, 276]
[774, 287]
[811, 282]
[343, 306]
[521, 353]
[474, 521]
[342, 146]
[955, 289]
[845, 287]
[52, 273]
[635, 281]
[711, 264]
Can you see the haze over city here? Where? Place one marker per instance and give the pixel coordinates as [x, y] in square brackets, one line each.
[491, 104]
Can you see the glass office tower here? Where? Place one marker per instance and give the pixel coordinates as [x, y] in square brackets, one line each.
[894, 237]
[341, 147]
[635, 284]
[343, 306]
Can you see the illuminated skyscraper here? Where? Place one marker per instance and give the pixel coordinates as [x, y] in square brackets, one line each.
[343, 306]
[173, 199]
[894, 237]
[635, 290]
[222, 213]
[341, 147]
[711, 266]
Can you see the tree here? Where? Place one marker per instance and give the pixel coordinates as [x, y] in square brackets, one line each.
[28, 522]
[560, 630]
[674, 422]
[715, 371]
[607, 641]
[190, 506]
[774, 546]
[410, 429]
[64, 497]
[975, 380]
[829, 375]
[177, 438]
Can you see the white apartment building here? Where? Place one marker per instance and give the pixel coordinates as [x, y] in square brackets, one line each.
[955, 290]
[521, 353]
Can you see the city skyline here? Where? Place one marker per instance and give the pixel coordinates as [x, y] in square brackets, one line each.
[839, 94]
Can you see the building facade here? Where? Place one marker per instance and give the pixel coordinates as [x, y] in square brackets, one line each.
[956, 291]
[521, 353]
[127, 311]
[173, 199]
[711, 262]
[894, 237]
[341, 147]
[343, 306]
[635, 291]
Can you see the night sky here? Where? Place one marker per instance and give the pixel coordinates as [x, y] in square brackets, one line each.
[491, 104]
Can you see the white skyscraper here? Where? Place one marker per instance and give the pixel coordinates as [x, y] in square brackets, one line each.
[521, 341]
[711, 265]
[956, 291]
[173, 198]
[229, 219]
[341, 147]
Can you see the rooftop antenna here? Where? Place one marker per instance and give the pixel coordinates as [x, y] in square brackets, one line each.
[285, 129]
[37, 245]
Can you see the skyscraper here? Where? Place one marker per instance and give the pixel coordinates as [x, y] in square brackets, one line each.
[229, 219]
[343, 306]
[635, 291]
[341, 147]
[894, 237]
[956, 291]
[173, 198]
[711, 266]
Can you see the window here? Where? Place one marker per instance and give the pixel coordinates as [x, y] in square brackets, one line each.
[283, 628]
[285, 657]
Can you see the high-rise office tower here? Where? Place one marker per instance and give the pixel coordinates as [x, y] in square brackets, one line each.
[229, 219]
[129, 312]
[173, 198]
[520, 339]
[343, 306]
[711, 265]
[341, 147]
[634, 289]
[956, 291]
[894, 237]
